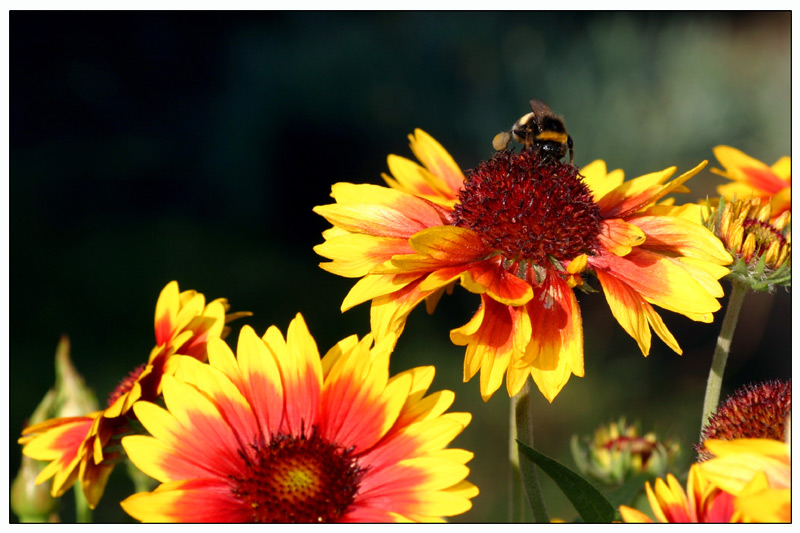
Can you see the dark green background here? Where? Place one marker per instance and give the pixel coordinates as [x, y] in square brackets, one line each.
[147, 147]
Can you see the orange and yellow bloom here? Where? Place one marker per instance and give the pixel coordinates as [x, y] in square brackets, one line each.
[77, 448]
[702, 502]
[521, 233]
[754, 179]
[749, 480]
[757, 472]
[276, 434]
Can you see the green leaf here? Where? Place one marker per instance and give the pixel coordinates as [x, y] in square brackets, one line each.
[590, 503]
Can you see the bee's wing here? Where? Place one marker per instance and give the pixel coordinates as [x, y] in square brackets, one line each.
[540, 109]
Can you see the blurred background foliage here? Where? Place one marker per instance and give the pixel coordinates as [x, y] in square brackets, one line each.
[152, 146]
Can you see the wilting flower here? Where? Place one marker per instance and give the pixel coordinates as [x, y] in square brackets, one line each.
[275, 434]
[757, 472]
[521, 232]
[754, 179]
[753, 411]
[702, 502]
[83, 447]
[617, 452]
[760, 244]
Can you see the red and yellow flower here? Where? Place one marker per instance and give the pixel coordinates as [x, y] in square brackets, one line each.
[521, 233]
[702, 502]
[754, 179]
[77, 448]
[757, 472]
[748, 480]
[276, 434]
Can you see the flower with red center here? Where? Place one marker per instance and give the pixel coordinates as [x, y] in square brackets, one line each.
[754, 179]
[754, 411]
[521, 232]
[757, 472]
[289, 437]
[702, 502]
[82, 447]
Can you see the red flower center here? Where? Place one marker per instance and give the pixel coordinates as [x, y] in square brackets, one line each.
[126, 384]
[299, 480]
[528, 208]
[754, 411]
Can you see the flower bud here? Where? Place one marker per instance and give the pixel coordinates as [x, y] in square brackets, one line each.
[617, 453]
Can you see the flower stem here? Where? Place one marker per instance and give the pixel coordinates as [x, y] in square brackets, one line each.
[83, 513]
[522, 429]
[722, 350]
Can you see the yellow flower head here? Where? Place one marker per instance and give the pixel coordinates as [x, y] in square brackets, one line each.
[521, 231]
[276, 434]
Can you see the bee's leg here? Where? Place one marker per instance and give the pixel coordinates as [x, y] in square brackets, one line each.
[571, 153]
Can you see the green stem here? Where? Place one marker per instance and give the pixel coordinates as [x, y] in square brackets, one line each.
[83, 513]
[516, 500]
[522, 429]
[722, 350]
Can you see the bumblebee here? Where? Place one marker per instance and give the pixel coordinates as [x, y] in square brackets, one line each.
[540, 130]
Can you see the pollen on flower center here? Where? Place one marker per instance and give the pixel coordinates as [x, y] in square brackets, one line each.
[298, 479]
[529, 209]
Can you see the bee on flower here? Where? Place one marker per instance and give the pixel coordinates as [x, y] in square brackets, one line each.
[521, 230]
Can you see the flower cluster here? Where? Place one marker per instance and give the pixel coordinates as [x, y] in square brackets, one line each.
[273, 432]
[286, 436]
